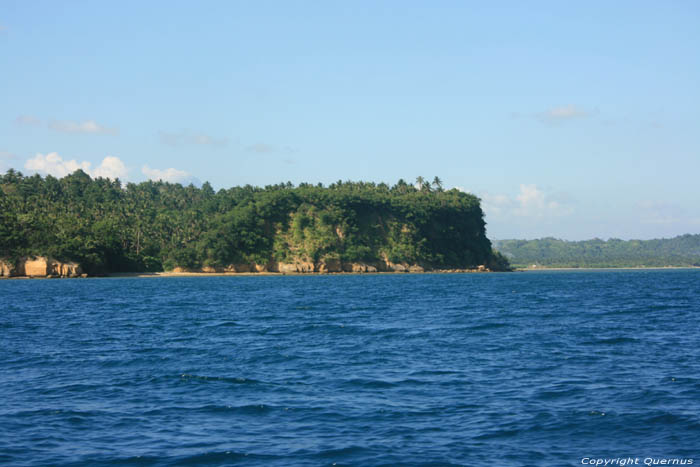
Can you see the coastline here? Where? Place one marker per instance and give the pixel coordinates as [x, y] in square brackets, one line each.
[274, 274]
[343, 273]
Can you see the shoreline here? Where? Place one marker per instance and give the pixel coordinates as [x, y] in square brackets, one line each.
[252, 274]
[343, 273]
[275, 274]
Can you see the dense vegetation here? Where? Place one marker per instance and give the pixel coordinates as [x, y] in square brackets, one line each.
[153, 226]
[550, 252]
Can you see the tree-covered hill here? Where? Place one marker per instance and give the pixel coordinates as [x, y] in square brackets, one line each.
[153, 226]
[683, 250]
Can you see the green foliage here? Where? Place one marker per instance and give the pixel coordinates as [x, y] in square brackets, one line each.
[155, 225]
[683, 250]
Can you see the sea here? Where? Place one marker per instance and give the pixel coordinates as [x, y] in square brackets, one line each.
[497, 369]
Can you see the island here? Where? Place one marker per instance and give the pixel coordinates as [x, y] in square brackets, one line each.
[100, 226]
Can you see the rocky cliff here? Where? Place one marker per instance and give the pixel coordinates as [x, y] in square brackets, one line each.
[39, 266]
[323, 267]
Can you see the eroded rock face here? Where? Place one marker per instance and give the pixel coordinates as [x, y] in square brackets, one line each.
[7, 269]
[210, 269]
[65, 269]
[295, 268]
[323, 267]
[242, 267]
[359, 267]
[397, 267]
[36, 267]
[329, 265]
[231, 268]
[40, 266]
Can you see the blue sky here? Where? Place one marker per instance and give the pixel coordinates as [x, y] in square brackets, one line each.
[573, 120]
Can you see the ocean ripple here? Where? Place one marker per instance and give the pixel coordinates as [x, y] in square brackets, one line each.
[536, 368]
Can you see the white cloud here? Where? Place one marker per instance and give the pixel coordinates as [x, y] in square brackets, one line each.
[88, 126]
[167, 175]
[27, 120]
[496, 204]
[530, 202]
[53, 164]
[561, 114]
[111, 167]
[187, 137]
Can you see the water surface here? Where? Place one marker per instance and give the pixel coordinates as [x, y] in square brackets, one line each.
[540, 368]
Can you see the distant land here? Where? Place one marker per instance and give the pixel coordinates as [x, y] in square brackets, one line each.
[681, 251]
[77, 224]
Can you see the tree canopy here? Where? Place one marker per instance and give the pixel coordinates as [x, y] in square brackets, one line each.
[151, 226]
[683, 250]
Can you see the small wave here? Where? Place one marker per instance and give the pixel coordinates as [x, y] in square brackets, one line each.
[226, 379]
[557, 394]
[370, 383]
[673, 419]
[210, 409]
[498, 434]
[60, 413]
[613, 341]
[434, 372]
[340, 452]
[217, 458]
[222, 324]
[485, 326]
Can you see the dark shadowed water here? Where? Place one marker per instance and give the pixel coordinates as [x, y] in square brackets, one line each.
[542, 368]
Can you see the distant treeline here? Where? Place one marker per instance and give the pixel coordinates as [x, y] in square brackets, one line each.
[683, 250]
[152, 226]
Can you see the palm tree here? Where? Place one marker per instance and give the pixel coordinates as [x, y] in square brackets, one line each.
[437, 183]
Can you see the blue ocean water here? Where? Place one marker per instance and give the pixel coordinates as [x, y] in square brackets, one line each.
[541, 368]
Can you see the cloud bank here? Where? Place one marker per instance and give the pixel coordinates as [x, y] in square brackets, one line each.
[530, 202]
[170, 175]
[53, 164]
[110, 167]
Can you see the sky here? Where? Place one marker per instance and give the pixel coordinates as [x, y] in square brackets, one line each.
[572, 120]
